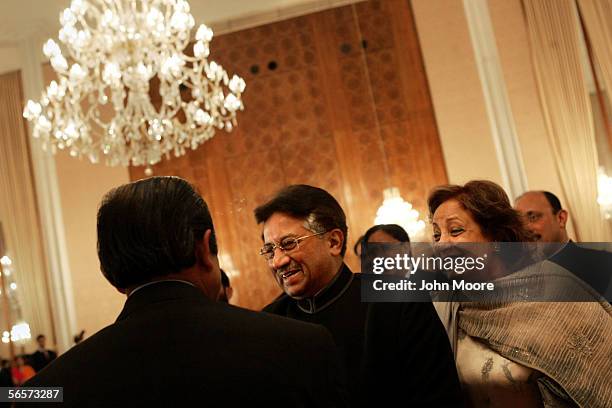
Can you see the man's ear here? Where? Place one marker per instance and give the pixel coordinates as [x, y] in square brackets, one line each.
[203, 253]
[336, 239]
[562, 216]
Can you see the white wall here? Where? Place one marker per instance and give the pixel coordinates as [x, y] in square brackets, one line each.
[81, 186]
[456, 91]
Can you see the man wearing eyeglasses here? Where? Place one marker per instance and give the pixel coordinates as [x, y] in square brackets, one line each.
[387, 347]
[546, 220]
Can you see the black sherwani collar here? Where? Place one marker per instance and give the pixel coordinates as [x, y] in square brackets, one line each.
[329, 294]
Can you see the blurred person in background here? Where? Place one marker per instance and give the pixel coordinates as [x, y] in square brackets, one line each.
[382, 233]
[42, 356]
[21, 371]
[390, 233]
[226, 292]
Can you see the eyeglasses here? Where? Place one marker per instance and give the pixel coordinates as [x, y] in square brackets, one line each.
[533, 216]
[286, 245]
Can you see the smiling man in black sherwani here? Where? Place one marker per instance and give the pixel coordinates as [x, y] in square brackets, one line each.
[173, 345]
[392, 351]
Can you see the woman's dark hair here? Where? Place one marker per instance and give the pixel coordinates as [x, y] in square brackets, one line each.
[488, 203]
[315, 206]
[357, 246]
[149, 228]
[393, 230]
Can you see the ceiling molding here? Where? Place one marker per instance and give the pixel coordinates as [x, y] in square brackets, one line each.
[279, 14]
[26, 19]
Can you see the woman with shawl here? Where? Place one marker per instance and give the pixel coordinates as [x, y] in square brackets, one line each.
[512, 353]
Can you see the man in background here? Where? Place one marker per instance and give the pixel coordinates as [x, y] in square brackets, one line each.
[42, 356]
[173, 344]
[390, 350]
[547, 220]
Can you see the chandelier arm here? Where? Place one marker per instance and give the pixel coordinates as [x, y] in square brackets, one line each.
[97, 120]
[173, 113]
[145, 7]
[189, 84]
[85, 24]
[118, 6]
[189, 58]
[167, 14]
[92, 8]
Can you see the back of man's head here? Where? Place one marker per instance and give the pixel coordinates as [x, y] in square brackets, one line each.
[315, 206]
[553, 200]
[149, 228]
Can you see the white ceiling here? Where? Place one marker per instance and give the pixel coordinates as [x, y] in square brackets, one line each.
[21, 19]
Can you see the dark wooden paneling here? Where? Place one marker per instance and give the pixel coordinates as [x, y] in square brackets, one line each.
[347, 108]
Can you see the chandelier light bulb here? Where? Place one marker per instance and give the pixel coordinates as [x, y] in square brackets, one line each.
[100, 106]
[20, 333]
[394, 210]
[51, 49]
[204, 33]
[78, 7]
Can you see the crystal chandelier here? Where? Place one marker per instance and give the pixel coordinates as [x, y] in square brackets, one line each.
[394, 210]
[101, 102]
[20, 334]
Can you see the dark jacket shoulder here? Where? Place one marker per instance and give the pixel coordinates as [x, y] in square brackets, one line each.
[590, 265]
[278, 305]
[171, 344]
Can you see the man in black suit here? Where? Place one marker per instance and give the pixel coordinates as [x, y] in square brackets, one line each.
[547, 221]
[392, 351]
[173, 344]
[42, 356]
[6, 379]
